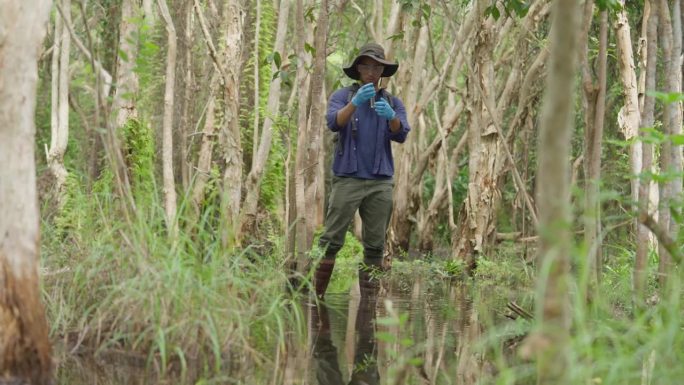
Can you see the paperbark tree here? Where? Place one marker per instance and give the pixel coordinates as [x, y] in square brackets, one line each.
[24, 344]
[629, 114]
[124, 105]
[594, 112]
[255, 176]
[310, 122]
[411, 77]
[167, 123]
[231, 45]
[204, 157]
[670, 154]
[477, 214]
[647, 121]
[60, 103]
[316, 123]
[228, 62]
[553, 187]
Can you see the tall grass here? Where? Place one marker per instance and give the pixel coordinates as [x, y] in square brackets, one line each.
[112, 285]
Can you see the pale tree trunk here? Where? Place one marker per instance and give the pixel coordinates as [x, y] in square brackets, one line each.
[303, 240]
[204, 156]
[255, 176]
[257, 65]
[228, 62]
[148, 11]
[629, 114]
[167, 123]
[393, 25]
[670, 155]
[553, 188]
[316, 122]
[400, 223]
[124, 103]
[60, 103]
[477, 218]
[187, 88]
[25, 353]
[110, 139]
[594, 112]
[647, 121]
[231, 44]
[125, 95]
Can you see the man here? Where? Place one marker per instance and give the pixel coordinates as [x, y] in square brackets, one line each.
[366, 119]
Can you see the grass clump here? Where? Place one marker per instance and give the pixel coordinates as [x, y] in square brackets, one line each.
[119, 286]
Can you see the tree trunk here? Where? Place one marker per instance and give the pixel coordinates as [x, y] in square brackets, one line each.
[231, 63]
[204, 157]
[314, 195]
[60, 103]
[404, 201]
[477, 217]
[303, 238]
[670, 154]
[124, 104]
[647, 120]
[629, 115]
[594, 99]
[167, 124]
[24, 344]
[184, 129]
[553, 188]
[255, 176]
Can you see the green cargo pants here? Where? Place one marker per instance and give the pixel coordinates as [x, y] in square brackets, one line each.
[373, 199]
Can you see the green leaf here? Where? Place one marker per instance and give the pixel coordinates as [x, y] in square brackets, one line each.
[493, 11]
[385, 337]
[667, 97]
[310, 49]
[677, 139]
[387, 321]
[276, 59]
[397, 36]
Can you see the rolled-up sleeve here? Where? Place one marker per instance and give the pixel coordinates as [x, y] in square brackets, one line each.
[399, 108]
[337, 101]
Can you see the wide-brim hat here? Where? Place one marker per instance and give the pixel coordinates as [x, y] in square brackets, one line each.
[375, 52]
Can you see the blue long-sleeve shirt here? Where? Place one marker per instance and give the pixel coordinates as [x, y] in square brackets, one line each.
[368, 153]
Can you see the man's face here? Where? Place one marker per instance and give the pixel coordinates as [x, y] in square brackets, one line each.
[369, 69]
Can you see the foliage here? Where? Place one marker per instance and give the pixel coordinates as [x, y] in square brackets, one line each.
[140, 159]
[129, 287]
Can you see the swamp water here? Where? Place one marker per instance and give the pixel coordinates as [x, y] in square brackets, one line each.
[397, 337]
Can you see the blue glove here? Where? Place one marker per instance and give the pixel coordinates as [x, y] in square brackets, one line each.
[364, 94]
[384, 110]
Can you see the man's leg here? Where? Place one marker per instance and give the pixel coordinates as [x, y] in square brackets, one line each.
[375, 211]
[344, 200]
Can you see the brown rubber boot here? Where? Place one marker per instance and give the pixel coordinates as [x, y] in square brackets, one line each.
[322, 276]
[369, 280]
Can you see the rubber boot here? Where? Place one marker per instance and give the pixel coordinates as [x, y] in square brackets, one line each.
[322, 276]
[369, 278]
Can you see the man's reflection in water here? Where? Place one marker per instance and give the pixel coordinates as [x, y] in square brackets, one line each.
[365, 355]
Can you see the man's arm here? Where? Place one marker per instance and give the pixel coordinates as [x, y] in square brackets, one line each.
[394, 125]
[344, 114]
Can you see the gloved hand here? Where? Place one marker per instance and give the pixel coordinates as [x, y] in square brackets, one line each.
[384, 110]
[364, 94]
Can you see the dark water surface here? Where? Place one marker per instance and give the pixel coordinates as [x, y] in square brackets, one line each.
[395, 337]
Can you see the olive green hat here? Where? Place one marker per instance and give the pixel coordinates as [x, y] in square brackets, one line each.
[375, 52]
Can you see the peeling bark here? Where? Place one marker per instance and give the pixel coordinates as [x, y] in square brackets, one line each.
[553, 186]
[60, 104]
[167, 124]
[25, 353]
[647, 120]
